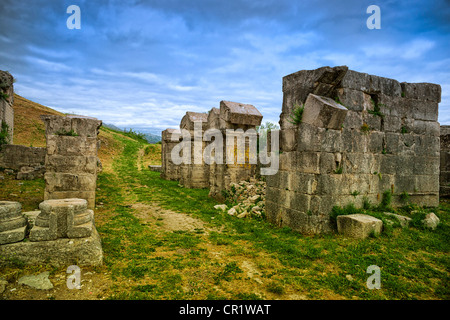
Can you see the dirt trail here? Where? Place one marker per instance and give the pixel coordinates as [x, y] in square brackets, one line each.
[171, 220]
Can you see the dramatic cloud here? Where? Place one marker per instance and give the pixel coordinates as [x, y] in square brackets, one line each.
[143, 64]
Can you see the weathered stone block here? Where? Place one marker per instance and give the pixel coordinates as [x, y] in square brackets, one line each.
[422, 91]
[239, 113]
[353, 120]
[358, 226]
[324, 112]
[13, 225]
[354, 100]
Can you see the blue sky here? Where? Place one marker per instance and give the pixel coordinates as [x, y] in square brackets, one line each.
[143, 64]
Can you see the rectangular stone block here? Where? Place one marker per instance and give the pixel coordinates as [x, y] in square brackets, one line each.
[306, 162]
[324, 112]
[69, 182]
[354, 100]
[332, 141]
[421, 110]
[392, 124]
[422, 91]
[354, 120]
[359, 226]
[239, 113]
[309, 138]
[288, 139]
[78, 163]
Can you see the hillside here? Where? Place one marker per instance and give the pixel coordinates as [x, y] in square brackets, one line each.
[29, 130]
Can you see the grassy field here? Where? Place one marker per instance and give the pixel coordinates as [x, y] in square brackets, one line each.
[162, 241]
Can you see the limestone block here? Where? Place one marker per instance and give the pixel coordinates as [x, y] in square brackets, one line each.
[61, 252]
[324, 112]
[75, 163]
[422, 91]
[69, 182]
[354, 100]
[64, 218]
[358, 226]
[13, 224]
[71, 146]
[190, 118]
[288, 139]
[310, 137]
[425, 127]
[214, 119]
[421, 110]
[353, 120]
[371, 120]
[82, 126]
[239, 113]
[371, 83]
[403, 220]
[332, 141]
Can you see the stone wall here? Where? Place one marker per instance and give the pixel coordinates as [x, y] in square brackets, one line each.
[361, 135]
[28, 161]
[203, 172]
[445, 162]
[6, 102]
[71, 159]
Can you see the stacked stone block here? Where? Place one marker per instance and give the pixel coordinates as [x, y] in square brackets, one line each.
[214, 173]
[237, 122]
[169, 139]
[360, 136]
[195, 174]
[444, 179]
[6, 102]
[63, 218]
[71, 160]
[13, 225]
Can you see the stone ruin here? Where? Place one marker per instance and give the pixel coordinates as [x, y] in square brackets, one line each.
[6, 102]
[62, 232]
[444, 178]
[211, 127]
[360, 135]
[71, 160]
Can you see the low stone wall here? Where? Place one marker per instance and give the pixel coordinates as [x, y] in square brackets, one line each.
[230, 124]
[444, 178]
[28, 162]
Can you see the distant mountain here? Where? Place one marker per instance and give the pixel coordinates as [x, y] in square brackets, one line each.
[112, 127]
[152, 138]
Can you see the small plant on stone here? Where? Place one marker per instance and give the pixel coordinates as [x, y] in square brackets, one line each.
[365, 128]
[4, 96]
[355, 193]
[70, 133]
[338, 170]
[366, 203]
[4, 134]
[297, 114]
[376, 109]
[404, 197]
[404, 130]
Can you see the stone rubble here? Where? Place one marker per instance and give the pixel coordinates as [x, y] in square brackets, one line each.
[249, 196]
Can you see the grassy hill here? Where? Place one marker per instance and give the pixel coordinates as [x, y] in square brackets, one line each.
[162, 241]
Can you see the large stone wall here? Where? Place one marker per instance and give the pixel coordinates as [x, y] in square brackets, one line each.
[71, 159]
[445, 162]
[6, 102]
[237, 118]
[362, 135]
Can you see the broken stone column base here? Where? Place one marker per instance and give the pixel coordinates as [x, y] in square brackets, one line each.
[61, 252]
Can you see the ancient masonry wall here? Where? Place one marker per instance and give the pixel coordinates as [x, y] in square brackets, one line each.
[360, 135]
[71, 159]
[216, 176]
[444, 180]
[6, 102]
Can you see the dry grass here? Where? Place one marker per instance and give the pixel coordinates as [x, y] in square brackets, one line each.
[29, 129]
